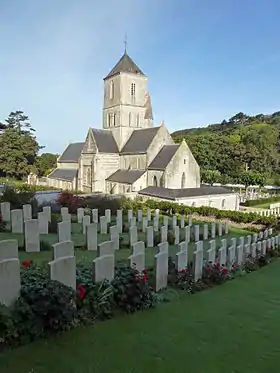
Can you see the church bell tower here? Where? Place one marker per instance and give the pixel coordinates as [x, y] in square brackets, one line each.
[127, 107]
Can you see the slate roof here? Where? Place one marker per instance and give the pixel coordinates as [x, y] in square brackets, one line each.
[105, 141]
[139, 141]
[173, 194]
[125, 65]
[164, 156]
[63, 174]
[72, 153]
[126, 176]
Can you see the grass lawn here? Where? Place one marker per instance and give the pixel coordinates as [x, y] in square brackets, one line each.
[232, 328]
[83, 255]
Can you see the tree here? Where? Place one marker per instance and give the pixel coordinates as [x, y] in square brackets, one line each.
[45, 163]
[252, 178]
[210, 176]
[18, 146]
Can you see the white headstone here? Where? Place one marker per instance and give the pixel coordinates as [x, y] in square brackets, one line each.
[115, 236]
[198, 264]
[149, 214]
[176, 230]
[9, 281]
[181, 260]
[240, 257]
[103, 225]
[80, 214]
[211, 255]
[220, 229]
[255, 237]
[8, 249]
[64, 270]
[183, 246]
[226, 227]
[64, 231]
[161, 270]
[66, 217]
[63, 211]
[108, 215]
[17, 221]
[163, 233]
[150, 236]
[144, 224]
[155, 221]
[63, 249]
[213, 230]
[32, 236]
[187, 234]
[205, 232]
[222, 256]
[133, 235]
[27, 212]
[137, 261]
[91, 234]
[106, 248]
[119, 221]
[190, 220]
[163, 247]
[254, 250]
[132, 221]
[86, 222]
[43, 223]
[104, 268]
[94, 215]
[138, 248]
[129, 215]
[174, 220]
[139, 215]
[182, 222]
[196, 233]
[48, 211]
[231, 255]
[6, 211]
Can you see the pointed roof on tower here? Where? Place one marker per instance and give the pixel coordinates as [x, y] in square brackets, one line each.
[125, 65]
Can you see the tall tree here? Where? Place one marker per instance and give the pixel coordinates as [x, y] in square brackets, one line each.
[18, 146]
[45, 163]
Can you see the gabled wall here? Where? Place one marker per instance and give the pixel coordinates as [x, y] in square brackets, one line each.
[161, 138]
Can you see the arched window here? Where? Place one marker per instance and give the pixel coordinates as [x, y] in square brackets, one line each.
[138, 120]
[132, 89]
[111, 90]
[114, 119]
[129, 119]
[155, 183]
[161, 182]
[108, 120]
[223, 203]
[183, 180]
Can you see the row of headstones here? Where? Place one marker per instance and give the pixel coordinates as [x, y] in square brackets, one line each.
[268, 212]
[63, 265]
[235, 253]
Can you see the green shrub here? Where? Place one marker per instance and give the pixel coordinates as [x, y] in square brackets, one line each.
[18, 198]
[102, 203]
[262, 201]
[132, 291]
[170, 238]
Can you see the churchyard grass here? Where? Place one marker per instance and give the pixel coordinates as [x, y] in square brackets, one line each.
[229, 328]
[82, 255]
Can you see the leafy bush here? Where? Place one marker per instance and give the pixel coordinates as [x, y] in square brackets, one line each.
[170, 238]
[262, 201]
[132, 291]
[215, 274]
[104, 202]
[70, 200]
[18, 198]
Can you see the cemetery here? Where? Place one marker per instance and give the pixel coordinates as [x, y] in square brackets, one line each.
[87, 266]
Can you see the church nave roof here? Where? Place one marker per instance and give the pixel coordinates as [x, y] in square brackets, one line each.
[126, 176]
[139, 141]
[164, 156]
[105, 141]
[72, 153]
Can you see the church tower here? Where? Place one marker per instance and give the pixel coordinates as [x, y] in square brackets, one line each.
[127, 106]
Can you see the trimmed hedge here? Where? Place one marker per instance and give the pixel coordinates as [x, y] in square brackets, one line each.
[262, 201]
[176, 208]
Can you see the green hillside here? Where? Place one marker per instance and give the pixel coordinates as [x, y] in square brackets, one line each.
[243, 144]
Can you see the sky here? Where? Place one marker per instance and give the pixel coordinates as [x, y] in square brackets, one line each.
[205, 60]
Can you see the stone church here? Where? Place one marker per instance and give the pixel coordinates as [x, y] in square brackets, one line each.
[129, 154]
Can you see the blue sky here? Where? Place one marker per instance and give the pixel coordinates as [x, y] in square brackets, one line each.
[205, 59]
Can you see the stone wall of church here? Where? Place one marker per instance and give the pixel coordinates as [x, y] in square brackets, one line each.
[133, 161]
[183, 170]
[105, 165]
[155, 178]
[162, 138]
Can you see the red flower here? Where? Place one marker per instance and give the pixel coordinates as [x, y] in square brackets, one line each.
[81, 292]
[224, 270]
[135, 277]
[144, 278]
[26, 263]
[145, 271]
[208, 268]
[217, 265]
